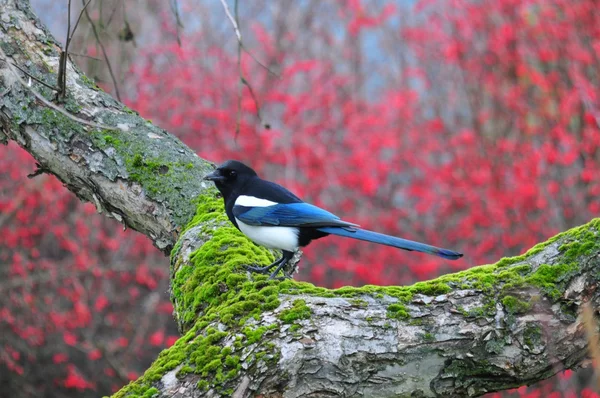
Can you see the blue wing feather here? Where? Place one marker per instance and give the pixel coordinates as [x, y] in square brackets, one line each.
[289, 215]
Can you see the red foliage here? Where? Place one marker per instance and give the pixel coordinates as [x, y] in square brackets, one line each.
[66, 288]
[476, 129]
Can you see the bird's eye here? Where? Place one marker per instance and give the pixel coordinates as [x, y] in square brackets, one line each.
[231, 173]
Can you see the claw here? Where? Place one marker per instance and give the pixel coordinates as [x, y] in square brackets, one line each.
[264, 270]
[259, 270]
[280, 264]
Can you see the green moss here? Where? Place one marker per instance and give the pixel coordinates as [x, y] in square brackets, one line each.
[549, 278]
[202, 385]
[397, 311]
[298, 311]
[184, 371]
[86, 81]
[532, 336]
[430, 289]
[137, 161]
[151, 392]
[515, 306]
[151, 172]
[159, 163]
[359, 303]
[232, 361]
[486, 311]
[214, 298]
[129, 111]
[71, 105]
[428, 337]
[212, 366]
[254, 335]
[58, 126]
[110, 140]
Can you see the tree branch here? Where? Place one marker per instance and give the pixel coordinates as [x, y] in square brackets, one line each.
[137, 173]
[486, 329]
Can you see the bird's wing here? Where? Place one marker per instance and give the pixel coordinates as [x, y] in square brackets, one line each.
[289, 215]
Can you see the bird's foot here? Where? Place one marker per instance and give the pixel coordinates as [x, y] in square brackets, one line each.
[289, 265]
[288, 258]
[259, 270]
[266, 269]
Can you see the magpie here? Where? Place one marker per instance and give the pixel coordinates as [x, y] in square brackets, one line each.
[273, 217]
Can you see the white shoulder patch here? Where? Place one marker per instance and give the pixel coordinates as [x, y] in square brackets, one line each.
[251, 201]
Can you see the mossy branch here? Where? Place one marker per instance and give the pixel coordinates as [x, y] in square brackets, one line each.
[134, 171]
[490, 328]
[486, 329]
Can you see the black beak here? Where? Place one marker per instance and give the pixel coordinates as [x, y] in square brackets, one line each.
[214, 176]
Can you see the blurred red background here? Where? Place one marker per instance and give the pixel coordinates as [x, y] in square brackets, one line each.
[472, 125]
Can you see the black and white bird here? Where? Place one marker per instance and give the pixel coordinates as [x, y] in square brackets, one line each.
[273, 217]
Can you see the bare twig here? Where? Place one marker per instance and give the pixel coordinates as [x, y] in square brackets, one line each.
[38, 171]
[43, 100]
[235, 22]
[234, 19]
[78, 20]
[62, 65]
[240, 71]
[97, 36]
[85, 56]
[111, 16]
[245, 82]
[175, 9]
[35, 78]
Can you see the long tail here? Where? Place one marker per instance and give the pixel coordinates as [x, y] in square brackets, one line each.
[370, 236]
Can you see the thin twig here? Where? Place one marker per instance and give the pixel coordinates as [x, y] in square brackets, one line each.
[235, 22]
[232, 20]
[68, 27]
[49, 104]
[238, 122]
[62, 65]
[260, 63]
[97, 36]
[35, 78]
[38, 171]
[245, 82]
[78, 19]
[175, 9]
[85, 56]
[110, 17]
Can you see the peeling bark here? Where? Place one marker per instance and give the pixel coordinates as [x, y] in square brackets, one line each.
[487, 329]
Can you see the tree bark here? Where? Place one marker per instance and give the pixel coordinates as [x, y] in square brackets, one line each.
[487, 329]
[134, 172]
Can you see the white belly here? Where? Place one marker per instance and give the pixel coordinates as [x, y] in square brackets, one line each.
[282, 238]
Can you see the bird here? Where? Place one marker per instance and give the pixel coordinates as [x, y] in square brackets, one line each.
[272, 216]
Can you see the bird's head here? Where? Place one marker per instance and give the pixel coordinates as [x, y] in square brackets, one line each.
[230, 176]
